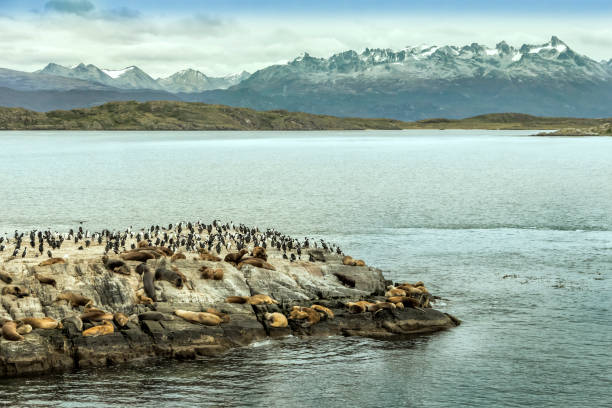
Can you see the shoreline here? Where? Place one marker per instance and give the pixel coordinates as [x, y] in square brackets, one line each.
[321, 277]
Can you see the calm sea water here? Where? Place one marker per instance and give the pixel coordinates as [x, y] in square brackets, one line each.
[514, 232]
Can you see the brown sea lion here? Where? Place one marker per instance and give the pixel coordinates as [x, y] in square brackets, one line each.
[121, 319]
[256, 262]
[52, 261]
[224, 316]
[305, 313]
[186, 282]
[142, 244]
[261, 300]
[139, 255]
[46, 323]
[24, 329]
[276, 319]
[209, 257]
[322, 309]
[395, 292]
[16, 290]
[75, 299]
[101, 330]
[95, 315]
[5, 277]
[359, 262]
[347, 260]
[399, 305]
[410, 289]
[358, 307]
[45, 279]
[9, 331]
[206, 272]
[235, 257]
[218, 274]
[143, 299]
[406, 300]
[207, 319]
[296, 313]
[381, 305]
[237, 299]
[178, 255]
[259, 252]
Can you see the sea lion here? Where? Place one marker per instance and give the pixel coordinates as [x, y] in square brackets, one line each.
[111, 264]
[121, 319]
[140, 269]
[74, 299]
[9, 331]
[205, 318]
[322, 309]
[24, 329]
[359, 262]
[16, 290]
[399, 305]
[261, 300]
[155, 316]
[6, 278]
[347, 260]
[205, 256]
[148, 282]
[142, 244]
[168, 275]
[406, 300]
[256, 262]
[305, 313]
[45, 279]
[395, 292]
[259, 252]
[235, 257]
[207, 273]
[101, 330]
[410, 289]
[178, 255]
[276, 319]
[46, 323]
[143, 299]
[141, 255]
[218, 274]
[52, 261]
[381, 305]
[358, 307]
[237, 299]
[95, 315]
[224, 316]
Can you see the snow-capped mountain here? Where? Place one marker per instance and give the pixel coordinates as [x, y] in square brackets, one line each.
[190, 80]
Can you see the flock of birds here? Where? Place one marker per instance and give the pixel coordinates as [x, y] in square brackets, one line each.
[183, 236]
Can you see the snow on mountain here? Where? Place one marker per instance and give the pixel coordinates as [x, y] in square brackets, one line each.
[190, 80]
[116, 73]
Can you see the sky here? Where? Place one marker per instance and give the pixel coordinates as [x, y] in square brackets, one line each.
[228, 36]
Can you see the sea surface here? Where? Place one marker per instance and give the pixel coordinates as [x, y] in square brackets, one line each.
[514, 232]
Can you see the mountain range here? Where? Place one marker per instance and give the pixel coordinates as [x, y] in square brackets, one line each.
[409, 84]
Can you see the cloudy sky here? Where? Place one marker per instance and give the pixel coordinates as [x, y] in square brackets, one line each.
[224, 36]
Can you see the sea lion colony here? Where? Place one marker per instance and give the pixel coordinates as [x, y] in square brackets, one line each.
[242, 246]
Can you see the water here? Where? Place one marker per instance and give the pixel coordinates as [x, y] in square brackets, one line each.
[514, 232]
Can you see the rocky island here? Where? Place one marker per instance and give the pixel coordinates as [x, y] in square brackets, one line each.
[85, 299]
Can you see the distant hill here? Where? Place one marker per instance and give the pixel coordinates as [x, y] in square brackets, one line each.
[173, 115]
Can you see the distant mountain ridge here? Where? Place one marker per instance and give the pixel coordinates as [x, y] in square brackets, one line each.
[413, 83]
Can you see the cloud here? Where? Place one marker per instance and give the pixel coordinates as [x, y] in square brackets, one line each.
[78, 7]
[122, 12]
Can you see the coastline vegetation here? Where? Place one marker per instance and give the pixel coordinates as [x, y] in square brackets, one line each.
[170, 115]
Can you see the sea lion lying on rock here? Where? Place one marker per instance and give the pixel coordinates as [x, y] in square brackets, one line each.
[259, 252]
[143, 299]
[16, 290]
[52, 261]
[224, 316]
[139, 255]
[116, 265]
[168, 275]
[324, 310]
[380, 306]
[101, 330]
[206, 256]
[205, 318]
[9, 331]
[177, 256]
[405, 300]
[276, 319]
[305, 313]
[5, 277]
[359, 307]
[347, 260]
[256, 262]
[45, 280]
[74, 299]
[46, 323]
[95, 315]
[121, 319]
[209, 273]
[235, 257]
[24, 329]
[252, 300]
[392, 291]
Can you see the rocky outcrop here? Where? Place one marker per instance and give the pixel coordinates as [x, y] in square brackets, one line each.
[326, 282]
